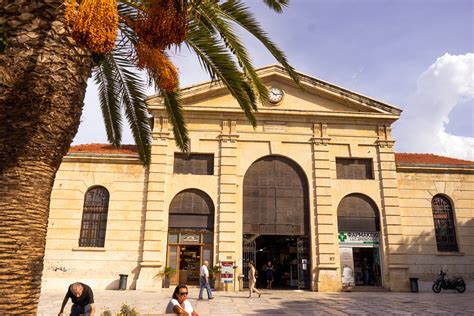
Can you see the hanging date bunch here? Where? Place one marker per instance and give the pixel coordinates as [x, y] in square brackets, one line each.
[93, 23]
[163, 24]
[159, 67]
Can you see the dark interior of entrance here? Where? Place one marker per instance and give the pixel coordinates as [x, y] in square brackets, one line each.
[282, 252]
[367, 267]
[189, 265]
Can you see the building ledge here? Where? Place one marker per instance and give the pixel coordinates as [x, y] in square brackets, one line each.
[92, 249]
[443, 254]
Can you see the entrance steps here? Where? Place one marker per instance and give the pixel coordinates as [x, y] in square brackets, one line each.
[362, 288]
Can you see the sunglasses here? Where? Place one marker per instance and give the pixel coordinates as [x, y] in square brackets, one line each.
[183, 293]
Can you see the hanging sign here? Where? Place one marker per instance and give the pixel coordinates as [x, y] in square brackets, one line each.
[365, 238]
[227, 271]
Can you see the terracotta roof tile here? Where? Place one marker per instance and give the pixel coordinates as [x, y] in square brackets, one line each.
[104, 149]
[429, 159]
[400, 158]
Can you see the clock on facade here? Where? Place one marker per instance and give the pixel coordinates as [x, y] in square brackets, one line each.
[275, 94]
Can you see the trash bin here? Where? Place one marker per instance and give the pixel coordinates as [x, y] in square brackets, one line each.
[123, 282]
[414, 285]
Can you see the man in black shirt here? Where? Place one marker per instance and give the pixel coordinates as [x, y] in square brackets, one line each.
[82, 299]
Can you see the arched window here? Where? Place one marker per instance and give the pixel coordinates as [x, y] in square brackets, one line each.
[444, 224]
[94, 217]
[358, 213]
[192, 208]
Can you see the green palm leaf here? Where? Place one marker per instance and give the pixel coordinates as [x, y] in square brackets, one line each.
[240, 14]
[277, 5]
[214, 16]
[219, 63]
[172, 102]
[129, 90]
[108, 100]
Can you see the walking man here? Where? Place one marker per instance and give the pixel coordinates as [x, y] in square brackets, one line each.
[252, 280]
[82, 298]
[204, 280]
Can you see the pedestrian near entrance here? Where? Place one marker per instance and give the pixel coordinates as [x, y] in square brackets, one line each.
[269, 271]
[82, 298]
[252, 280]
[179, 303]
[204, 281]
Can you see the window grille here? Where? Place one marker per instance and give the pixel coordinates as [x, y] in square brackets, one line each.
[358, 213]
[200, 164]
[191, 208]
[444, 224]
[275, 198]
[94, 218]
[354, 168]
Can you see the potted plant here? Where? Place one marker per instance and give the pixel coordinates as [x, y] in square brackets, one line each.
[213, 275]
[166, 275]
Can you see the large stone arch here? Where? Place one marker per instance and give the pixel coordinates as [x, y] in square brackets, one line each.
[275, 198]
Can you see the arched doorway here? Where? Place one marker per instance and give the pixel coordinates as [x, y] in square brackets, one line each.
[190, 235]
[276, 221]
[359, 231]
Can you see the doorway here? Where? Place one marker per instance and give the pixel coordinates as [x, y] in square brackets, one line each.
[189, 264]
[288, 257]
[367, 270]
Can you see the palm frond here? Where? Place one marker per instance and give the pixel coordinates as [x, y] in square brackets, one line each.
[172, 102]
[277, 5]
[132, 97]
[108, 99]
[214, 16]
[217, 60]
[240, 14]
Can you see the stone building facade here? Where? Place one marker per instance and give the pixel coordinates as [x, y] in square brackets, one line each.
[315, 188]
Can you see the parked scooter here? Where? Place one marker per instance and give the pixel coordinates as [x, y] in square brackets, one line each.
[456, 283]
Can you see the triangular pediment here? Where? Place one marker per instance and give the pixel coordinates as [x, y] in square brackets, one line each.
[313, 96]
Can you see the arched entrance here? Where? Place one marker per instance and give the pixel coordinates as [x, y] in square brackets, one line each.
[190, 235]
[276, 221]
[359, 231]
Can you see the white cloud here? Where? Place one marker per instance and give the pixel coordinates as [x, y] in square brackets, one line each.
[449, 81]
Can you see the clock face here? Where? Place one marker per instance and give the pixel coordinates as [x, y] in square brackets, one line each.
[275, 94]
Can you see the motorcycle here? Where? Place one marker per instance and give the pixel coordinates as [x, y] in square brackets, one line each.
[456, 283]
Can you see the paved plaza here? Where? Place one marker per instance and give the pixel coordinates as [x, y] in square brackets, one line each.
[276, 302]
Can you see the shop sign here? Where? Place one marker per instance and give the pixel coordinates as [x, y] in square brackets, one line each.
[227, 271]
[364, 238]
[190, 238]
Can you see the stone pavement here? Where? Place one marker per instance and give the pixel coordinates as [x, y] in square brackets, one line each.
[279, 302]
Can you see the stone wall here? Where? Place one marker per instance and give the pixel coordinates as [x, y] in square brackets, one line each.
[66, 262]
[417, 187]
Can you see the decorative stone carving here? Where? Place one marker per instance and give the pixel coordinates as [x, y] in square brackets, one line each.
[320, 134]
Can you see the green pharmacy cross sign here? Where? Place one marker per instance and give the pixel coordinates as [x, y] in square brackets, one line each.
[342, 236]
[368, 238]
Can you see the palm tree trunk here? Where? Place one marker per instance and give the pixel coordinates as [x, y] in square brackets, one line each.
[43, 80]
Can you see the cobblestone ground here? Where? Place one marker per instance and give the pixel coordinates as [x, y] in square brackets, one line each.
[274, 302]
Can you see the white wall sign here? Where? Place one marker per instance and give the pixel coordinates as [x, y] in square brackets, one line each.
[369, 238]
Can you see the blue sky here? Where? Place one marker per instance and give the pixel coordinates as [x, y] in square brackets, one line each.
[414, 54]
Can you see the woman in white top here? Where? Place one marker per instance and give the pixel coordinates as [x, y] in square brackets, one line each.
[179, 303]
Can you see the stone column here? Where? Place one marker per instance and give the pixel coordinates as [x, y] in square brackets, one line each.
[396, 267]
[327, 275]
[226, 220]
[154, 234]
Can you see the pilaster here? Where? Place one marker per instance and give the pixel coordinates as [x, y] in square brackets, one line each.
[154, 227]
[396, 273]
[326, 277]
[227, 214]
